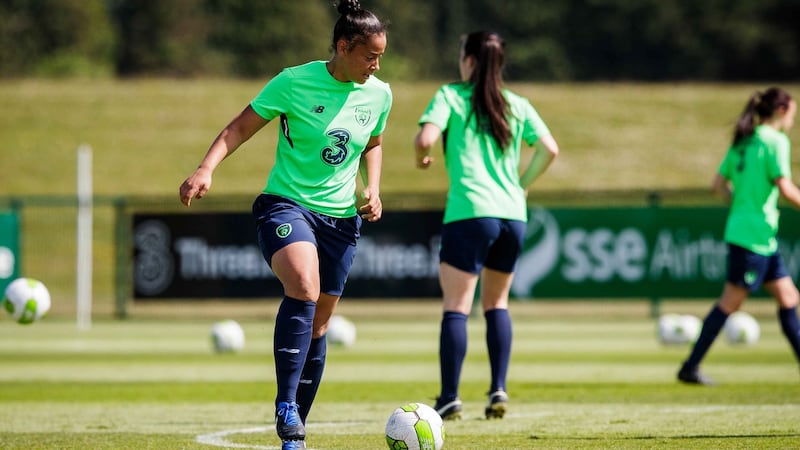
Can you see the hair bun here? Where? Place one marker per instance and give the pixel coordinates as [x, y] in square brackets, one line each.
[347, 7]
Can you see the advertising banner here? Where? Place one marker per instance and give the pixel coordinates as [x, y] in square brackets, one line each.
[9, 249]
[623, 252]
[646, 252]
[633, 252]
[216, 255]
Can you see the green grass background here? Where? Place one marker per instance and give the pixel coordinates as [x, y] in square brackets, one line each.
[148, 135]
[583, 375]
[576, 381]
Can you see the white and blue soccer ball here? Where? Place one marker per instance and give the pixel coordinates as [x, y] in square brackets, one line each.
[742, 329]
[227, 336]
[678, 329]
[415, 426]
[341, 331]
[26, 300]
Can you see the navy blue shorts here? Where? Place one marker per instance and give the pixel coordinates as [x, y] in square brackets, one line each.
[280, 222]
[472, 244]
[751, 270]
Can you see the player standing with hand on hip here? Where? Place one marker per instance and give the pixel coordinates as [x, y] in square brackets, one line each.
[484, 126]
[754, 173]
[332, 116]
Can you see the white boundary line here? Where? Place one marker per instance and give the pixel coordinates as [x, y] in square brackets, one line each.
[218, 439]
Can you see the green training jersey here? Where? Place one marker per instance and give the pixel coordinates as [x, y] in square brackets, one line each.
[325, 126]
[752, 166]
[484, 179]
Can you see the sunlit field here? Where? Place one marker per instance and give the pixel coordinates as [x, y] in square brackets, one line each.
[587, 375]
[626, 139]
[148, 135]
[581, 377]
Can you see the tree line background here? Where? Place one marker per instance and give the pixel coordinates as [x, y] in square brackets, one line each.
[558, 40]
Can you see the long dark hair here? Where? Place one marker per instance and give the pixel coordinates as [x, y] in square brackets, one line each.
[355, 24]
[488, 102]
[761, 106]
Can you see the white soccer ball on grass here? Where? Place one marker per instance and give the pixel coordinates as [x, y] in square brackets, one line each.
[26, 300]
[742, 329]
[415, 426]
[678, 329]
[227, 336]
[341, 331]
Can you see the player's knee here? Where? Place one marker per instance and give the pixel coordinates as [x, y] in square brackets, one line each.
[790, 299]
[302, 288]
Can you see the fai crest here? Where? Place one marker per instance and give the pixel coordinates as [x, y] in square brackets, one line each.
[362, 114]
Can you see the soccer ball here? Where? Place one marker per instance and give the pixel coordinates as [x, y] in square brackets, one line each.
[677, 329]
[26, 300]
[227, 336]
[341, 331]
[415, 426]
[742, 328]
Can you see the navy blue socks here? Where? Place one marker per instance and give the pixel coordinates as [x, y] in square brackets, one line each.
[791, 328]
[498, 343]
[452, 350]
[293, 327]
[311, 376]
[711, 326]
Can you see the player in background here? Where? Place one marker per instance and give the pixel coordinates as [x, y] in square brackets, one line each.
[483, 126]
[332, 115]
[754, 173]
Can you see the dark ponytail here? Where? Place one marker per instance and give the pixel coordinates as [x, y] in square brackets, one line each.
[355, 24]
[760, 107]
[488, 102]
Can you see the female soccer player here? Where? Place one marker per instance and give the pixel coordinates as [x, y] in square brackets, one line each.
[484, 126]
[332, 115]
[753, 174]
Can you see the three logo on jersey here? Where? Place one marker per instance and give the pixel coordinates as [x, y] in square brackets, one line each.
[336, 153]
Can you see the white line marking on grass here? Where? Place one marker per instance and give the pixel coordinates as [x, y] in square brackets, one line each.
[673, 409]
[218, 439]
[718, 408]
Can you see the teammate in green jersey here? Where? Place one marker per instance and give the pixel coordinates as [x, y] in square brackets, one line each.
[484, 127]
[332, 116]
[754, 173]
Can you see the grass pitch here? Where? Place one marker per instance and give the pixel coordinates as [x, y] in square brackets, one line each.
[578, 379]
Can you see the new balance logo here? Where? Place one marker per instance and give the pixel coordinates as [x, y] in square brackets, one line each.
[289, 350]
[318, 109]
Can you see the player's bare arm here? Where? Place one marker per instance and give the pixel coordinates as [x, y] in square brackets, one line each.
[721, 187]
[546, 152]
[789, 191]
[370, 167]
[427, 136]
[238, 131]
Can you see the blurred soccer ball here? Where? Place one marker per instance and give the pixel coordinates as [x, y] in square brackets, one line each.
[415, 426]
[742, 329]
[341, 331]
[227, 336]
[677, 329]
[26, 300]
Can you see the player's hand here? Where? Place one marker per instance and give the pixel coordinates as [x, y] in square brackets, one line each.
[372, 210]
[425, 161]
[195, 186]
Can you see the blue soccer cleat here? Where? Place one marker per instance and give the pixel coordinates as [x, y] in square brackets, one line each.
[288, 423]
